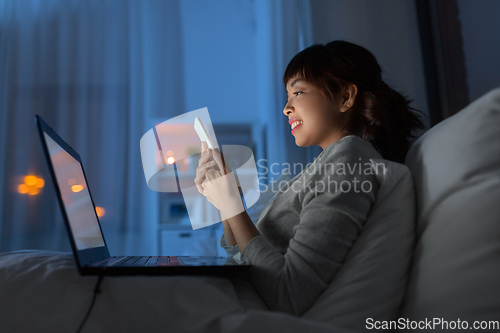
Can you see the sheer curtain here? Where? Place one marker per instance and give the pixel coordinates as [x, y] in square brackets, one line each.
[98, 72]
[283, 29]
[95, 71]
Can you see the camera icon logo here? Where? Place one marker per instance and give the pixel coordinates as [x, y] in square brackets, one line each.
[170, 153]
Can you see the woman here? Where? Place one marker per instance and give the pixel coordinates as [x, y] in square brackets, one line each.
[337, 100]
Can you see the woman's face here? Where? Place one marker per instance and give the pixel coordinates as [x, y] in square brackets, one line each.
[318, 116]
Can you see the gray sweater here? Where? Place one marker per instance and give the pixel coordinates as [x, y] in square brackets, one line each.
[309, 226]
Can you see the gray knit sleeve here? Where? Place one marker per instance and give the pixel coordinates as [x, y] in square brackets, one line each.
[231, 251]
[329, 224]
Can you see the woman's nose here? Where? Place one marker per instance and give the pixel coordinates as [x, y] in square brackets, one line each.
[287, 110]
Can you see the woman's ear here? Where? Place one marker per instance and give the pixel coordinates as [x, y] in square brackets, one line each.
[348, 97]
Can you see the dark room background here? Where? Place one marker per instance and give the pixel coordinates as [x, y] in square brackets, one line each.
[102, 73]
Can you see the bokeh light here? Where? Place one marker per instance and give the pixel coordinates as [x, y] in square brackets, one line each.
[40, 183]
[170, 160]
[23, 188]
[33, 191]
[30, 180]
[100, 211]
[31, 186]
[76, 188]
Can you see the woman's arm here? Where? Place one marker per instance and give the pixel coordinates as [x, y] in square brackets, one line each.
[245, 227]
[242, 229]
[204, 165]
[228, 234]
[222, 191]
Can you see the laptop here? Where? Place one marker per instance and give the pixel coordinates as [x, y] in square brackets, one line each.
[84, 229]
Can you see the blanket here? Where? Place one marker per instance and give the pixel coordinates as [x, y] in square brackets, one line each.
[41, 291]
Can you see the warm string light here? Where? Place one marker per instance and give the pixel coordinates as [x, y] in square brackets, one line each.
[76, 188]
[170, 158]
[31, 186]
[100, 211]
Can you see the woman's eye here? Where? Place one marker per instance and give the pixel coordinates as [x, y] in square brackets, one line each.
[297, 93]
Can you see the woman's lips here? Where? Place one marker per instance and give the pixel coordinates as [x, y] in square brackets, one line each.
[295, 128]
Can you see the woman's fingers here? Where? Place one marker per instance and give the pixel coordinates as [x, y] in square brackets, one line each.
[209, 175]
[201, 173]
[198, 180]
[205, 170]
[205, 156]
[212, 174]
[205, 166]
[219, 158]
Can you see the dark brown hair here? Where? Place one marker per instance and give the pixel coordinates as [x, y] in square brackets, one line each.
[380, 114]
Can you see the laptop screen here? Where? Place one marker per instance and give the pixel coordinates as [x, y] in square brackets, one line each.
[75, 196]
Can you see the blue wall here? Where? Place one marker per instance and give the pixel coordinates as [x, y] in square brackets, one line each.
[219, 59]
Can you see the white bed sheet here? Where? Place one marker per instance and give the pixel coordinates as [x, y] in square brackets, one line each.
[42, 291]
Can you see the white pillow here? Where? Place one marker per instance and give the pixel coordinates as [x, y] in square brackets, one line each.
[372, 280]
[456, 170]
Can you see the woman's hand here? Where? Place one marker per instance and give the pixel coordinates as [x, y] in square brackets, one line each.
[205, 165]
[221, 188]
[206, 169]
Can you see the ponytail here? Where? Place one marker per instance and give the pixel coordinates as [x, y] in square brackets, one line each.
[384, 118]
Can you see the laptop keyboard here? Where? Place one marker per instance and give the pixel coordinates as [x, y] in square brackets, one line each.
[143, 261]
[151, 261]
[158, 261]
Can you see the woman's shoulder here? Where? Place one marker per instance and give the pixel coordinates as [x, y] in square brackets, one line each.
[350, 148]
[350, 158]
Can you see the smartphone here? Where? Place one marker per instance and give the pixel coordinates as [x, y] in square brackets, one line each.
[202, 133]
